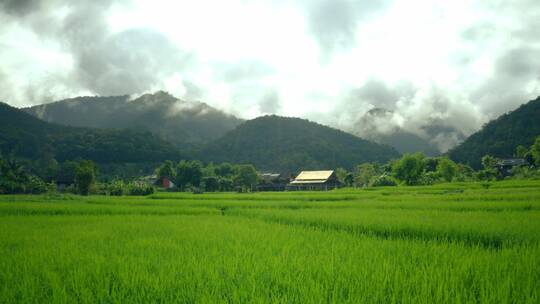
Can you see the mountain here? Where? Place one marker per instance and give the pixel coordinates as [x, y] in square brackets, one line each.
[182, 123]
[431, 137]
[291, 144]
[376, 126]
[406, 142]
[33, 138]
[501, 136]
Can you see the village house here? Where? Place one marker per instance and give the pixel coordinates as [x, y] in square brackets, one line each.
[315, 180]
[272, 182]
[166, 183]
[505, 166]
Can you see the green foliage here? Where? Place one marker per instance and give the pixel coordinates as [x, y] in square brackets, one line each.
[521, 151]
[188, 173]
[32, 138]
[431, 163]
[159, 113]
[14, 178]
[486, 175]
[501, 136]
[464, 173]
[85, 177]
[120, 188]
[535, 151]
[67, 172]
[210, 183]
[409, 168]
[447, 169]
[524, 172]
[167, 169]
[344, 177]
[116, 188]
[365, 173]
[488, 162]
[282, 144]
[224, 169]
[139, 189]
[384, 181]
[246, 177]
[226, 184]
[429, 178]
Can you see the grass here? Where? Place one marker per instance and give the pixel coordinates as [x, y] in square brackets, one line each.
[451, 243]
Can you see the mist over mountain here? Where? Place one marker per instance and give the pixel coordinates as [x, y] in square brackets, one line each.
[290, 144]
[501, 136]
[183, 123]
[431, 137]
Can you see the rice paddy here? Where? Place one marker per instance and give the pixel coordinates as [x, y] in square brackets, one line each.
[450, 243]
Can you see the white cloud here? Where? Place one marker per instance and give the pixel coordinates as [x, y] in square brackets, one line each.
[299, 58]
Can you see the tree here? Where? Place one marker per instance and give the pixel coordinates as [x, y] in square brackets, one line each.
[383, 181]
[224, 169]
[535, 151]
[464, 173]
[188, 172]
[166, 170]
[345, 177]
[409, 168]
[521, 151]
[349, 179]
[225, 184]
[66, 172]
[209, 170]
[431, 163]
[246, 177]
[85, 177]
[489, 162]
[365, 173]
[447, 169]
[210, 183]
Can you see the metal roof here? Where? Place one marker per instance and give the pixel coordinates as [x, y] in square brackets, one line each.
[511, 162]
[313, 176]
[311, 181]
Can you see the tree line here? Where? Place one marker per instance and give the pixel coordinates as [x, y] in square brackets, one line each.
[81, 176]
[417, 169]
[194, 176]
[77, 177]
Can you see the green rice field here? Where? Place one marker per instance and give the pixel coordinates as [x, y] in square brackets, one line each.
[450, 243]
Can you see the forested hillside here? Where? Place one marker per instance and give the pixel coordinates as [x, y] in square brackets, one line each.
[182, 123]
[501, 136]
[29, 137]
[292, 144]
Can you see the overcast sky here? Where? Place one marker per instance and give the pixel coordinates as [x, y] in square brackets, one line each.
[457, 61]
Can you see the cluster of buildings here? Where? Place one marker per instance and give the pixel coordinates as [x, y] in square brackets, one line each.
[306, 180]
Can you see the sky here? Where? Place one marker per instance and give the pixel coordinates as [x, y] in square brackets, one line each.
[453, 63]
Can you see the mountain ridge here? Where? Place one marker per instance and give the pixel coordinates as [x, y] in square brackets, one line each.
[501, 136]
[30, 137]
[180, 122]
[289, 144]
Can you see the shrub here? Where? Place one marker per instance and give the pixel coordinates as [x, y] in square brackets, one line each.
[429, 178]
[140, 189]
[116, 188]
[384, 180]
[210, 183]
[409, 168]
[35, 185]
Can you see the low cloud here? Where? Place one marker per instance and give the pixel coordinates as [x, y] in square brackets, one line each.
[103, 62]
[338, 64]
